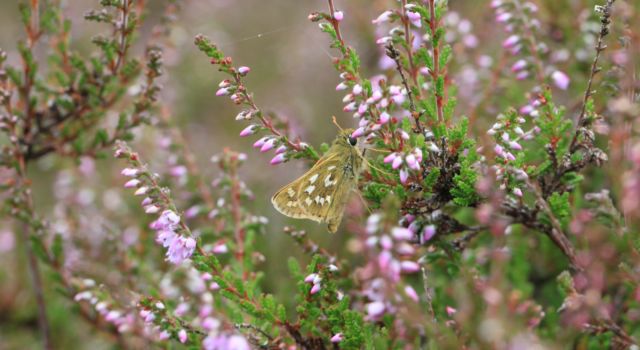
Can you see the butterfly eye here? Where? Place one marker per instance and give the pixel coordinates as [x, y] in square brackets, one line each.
[352, 140]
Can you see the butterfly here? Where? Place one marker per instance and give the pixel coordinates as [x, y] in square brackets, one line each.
[321, 194]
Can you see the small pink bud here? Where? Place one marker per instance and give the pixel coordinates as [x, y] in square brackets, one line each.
[281, 149]
[414, 17]
[401, 233]
[260, 142]
[249, 130]
[411, 293]
[519, 65]
[517, 191]
[310, 278]
[450, 311]
[342, 86]
[358, 132]
[269, 144]
[145, 202]
[182, 336]
[357, 89]
[499, 151]
[382, 18]
[384, 118]
[390, 158]
[511, 41]
[404, 176]
[397, 162]
[515, 146]
[222, 92]
[132, 183]
[338, 16]
[129, 172]
[522, 75]
[560, 79]
[225, 83]
[315, 289]
[428, 232]
[412, 162]
[350, 107]
[409, 266]
[337, 338]
[244, 70]
[142, 190]
[279, 158]
[151, 209]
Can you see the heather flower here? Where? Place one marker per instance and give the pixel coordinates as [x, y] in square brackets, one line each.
[249, 130]
[279, 158]
[338, 15]
[404, 175]
[244, 70]
[337, 338]
[383, 17]
[560, 79]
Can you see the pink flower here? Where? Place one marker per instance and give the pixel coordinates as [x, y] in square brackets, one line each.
[511, 41]
[279, 158]
[515, 146]
[260, 142]
[414, 18]
[341, 86]
[375, 309]
[412, 162]
[244, 70]
[132, 183]
[390, 158]
[310, 278]
[517, 191]
[180, 249]
[358, 132]
[249, 130]
[384, 118]
[338, 16]
[397, 162]
[315, 289]
[519, 65]
[337, 338]
[178, 171]
[269, 144]
[385, 16]
[404, 175]
[281, 149]
[129, 172]
[409, 266]
[182, 336]
[560, 79]
[450, 311]
[411, 293]
[151, 209]
[428, 232]
[499, 150]
[401, 233]
[222, 91]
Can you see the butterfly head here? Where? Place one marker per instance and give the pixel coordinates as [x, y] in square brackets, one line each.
[345, 139]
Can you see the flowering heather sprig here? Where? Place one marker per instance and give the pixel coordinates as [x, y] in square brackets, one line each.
[236, 90]
[171, 231]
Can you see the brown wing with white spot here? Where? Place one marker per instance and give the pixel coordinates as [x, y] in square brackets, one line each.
[287, 199]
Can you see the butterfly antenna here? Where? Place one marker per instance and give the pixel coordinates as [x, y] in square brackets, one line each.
[336, 123]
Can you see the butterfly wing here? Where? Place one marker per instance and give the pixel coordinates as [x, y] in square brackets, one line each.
[287, 199]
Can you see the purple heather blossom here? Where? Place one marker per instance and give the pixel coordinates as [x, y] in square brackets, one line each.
[499, 150]
[341, 86]
[515, 146]
[151, 209]
[260, 142]
[358, 132]
[337, 338]
[132, 183]
[412, 162]
[178, 171]
[519, 65]
[350, 107]
[428, 232]
[129, 172]
[390, 158]
[411, 293]
[414, 18]
[409, 266]
[141, 191]
[560, 79]
[517, 191]
[249, 130]
[222, 91]
[181, 248]
[451, 311]
[404, 175]
[384, 118]
[375, 309]
[383, 17]
[281, 149]
[511, 41]
[401, 233]
[397, 162]
[268, 145]
[244, 70]
[357, 89]
[338, 16]
[279, 158]
[182, 336]
[315, 289]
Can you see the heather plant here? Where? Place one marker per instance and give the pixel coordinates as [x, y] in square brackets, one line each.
[499, 204]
